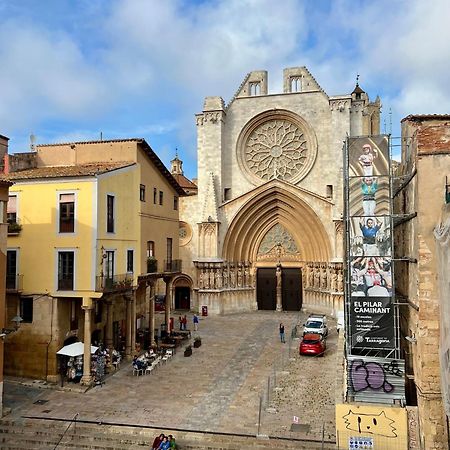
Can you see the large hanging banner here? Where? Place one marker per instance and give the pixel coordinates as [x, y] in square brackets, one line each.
[372, 322]
[369, 245]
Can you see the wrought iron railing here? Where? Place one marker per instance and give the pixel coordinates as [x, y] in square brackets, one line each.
[152, 265]
[14, 282]
[107, 283]
[172, 265]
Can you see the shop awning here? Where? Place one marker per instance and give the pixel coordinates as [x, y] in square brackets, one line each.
[75, 349]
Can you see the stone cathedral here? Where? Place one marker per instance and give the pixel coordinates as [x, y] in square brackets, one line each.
[262, 229]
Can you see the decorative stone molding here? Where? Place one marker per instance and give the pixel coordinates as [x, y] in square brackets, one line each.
[324, 277]
[224, 275]
[184, 233]
[339, 105]
[276, 144]
[278, 245]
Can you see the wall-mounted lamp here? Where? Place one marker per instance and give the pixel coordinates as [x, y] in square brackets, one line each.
[16, 320]
[411, 339]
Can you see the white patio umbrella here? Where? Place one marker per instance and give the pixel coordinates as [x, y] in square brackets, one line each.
[75, 349]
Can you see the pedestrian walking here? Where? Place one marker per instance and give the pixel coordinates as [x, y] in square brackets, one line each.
[184, 322]
[282, 333]
[180, 319]
[195, 320]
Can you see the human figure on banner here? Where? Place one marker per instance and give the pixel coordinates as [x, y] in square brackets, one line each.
[369, 186]
[369, 229]
[367, 158]
[371, 277]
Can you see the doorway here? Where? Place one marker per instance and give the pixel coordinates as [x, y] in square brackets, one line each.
[182, 297]
[266, 289]
[291, 281]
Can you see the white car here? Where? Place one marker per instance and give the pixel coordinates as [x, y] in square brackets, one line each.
[316, 323]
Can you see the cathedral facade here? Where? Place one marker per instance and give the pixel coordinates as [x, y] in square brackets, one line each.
[264, 229]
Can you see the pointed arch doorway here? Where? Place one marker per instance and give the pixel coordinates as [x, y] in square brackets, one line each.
[278, 227]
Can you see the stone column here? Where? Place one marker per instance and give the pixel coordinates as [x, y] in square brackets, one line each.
[128, 328]
[168, 301]
[279, 291]
[133, 321]
[87, 306]
[151, 318]
[109, 323]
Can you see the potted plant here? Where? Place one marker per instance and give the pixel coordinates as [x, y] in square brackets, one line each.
[152, 264]
[14, 228]
[197, 342]
[188, 351]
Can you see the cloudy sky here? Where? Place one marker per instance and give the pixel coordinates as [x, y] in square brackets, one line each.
[71, 69]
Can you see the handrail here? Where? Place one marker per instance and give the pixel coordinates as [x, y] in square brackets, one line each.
[74, 419]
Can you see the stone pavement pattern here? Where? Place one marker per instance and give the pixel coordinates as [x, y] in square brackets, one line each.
[217, 389]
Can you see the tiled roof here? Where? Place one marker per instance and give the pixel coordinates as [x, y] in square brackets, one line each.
[184, 182]
[149, 151]
[422, 117]
[80, 170]
[57, 144]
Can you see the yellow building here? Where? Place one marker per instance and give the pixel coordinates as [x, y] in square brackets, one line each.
[93, 233]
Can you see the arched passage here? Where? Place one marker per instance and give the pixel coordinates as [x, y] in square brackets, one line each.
[276, 202]
[279, 203]
[182, 288]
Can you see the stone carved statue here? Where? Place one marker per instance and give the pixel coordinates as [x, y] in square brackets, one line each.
[232, 277]
[278, 275]
[207, 279]
[317, 276]
[246, 277]
[323, 276]
[334, 280]
[219, 278]
[310, 275]
[211, 278]
[340, 281]
[201, 283]
[225, 277]
[239, 277]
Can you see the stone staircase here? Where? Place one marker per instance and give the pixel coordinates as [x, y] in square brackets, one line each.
[37, 434]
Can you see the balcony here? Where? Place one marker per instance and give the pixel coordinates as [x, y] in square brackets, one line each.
[14, 283]
[14, 228]
[115, 283]
[173, 265]
[152, 265]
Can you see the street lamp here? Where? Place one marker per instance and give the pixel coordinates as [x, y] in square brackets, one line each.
[16, 320]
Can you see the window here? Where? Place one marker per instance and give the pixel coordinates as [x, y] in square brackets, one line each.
[26, 309]
[329, 191]
[155, 194]
[150, 249]
[109, 264]
[11, 210]
[66, 213]
[130, 261]
[227, 194]
[65, 271]
[161, 195]
[110, 213]
[169, 250]
[175, 202]
[255, 88]
[11, 269]
[142, 193]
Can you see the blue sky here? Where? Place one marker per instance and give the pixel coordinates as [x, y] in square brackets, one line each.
[141, 68]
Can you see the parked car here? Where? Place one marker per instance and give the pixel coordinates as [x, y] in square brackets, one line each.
[312, 344]
[316, 323]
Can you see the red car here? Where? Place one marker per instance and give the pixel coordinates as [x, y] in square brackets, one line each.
[312, 344]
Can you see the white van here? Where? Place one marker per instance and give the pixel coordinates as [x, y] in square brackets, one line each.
[316, 323]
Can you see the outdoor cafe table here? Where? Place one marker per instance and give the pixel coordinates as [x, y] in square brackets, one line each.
[167, 346]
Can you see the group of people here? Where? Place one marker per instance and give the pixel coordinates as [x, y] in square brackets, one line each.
[164, 442]
[371, 277]
[183, 323]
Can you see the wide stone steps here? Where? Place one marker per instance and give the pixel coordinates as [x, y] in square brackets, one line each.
[37, 434]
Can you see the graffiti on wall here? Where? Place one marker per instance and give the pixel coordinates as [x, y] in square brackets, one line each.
[380, 379]
[386, 426]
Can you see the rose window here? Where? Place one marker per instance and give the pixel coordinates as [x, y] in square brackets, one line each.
[277, 149]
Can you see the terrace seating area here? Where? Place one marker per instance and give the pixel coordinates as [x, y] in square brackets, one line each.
[149, 361]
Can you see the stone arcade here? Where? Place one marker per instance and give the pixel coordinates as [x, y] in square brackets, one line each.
[264, 230]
